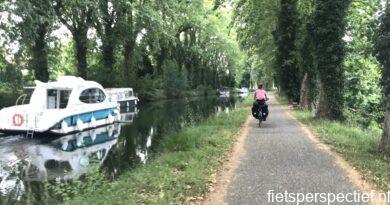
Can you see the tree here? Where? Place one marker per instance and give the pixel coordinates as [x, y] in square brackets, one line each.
[76, 15]
[107, 19]
[255, 20]
[32, 32]
[174, 79]
[306, 58]
[286, 55]
[329, 29]
[362, 87]
[383, 55]
[130, 29]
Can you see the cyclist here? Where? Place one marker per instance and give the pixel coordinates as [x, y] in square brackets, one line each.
[260, 97]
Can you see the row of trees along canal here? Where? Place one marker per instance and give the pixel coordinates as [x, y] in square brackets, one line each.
[331, 56]
[157, 47]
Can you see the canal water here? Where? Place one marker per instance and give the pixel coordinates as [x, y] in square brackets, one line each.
[27, 165]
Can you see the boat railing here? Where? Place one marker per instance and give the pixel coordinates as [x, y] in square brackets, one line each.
[21, 99]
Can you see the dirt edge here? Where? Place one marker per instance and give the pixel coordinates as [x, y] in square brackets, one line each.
[224, 176]
[354, 176]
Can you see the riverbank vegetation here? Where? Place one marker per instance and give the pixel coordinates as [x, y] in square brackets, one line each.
[356, 144]
[181, 172]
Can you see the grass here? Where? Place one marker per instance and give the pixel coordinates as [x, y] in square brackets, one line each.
[358, 145]
[182, 170]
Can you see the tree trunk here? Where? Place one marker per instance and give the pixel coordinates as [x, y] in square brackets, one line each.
[128, 70]
[329, 52]
[304, 93]
[385, 142]
[81, 46]
[108, 46]
[323, 110]
[160, 60]
[40, 55]
[108, 65]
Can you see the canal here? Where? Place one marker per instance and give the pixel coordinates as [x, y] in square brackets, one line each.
[28, 165]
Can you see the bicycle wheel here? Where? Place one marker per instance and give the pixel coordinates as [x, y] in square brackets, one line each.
[260, 118]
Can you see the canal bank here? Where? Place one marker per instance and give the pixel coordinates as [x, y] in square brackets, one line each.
[45, 171]
[181, 172]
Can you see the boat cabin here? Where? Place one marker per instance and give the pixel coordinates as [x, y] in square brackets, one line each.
[67, 92]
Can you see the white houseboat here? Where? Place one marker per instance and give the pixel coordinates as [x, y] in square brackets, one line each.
[224, 92]
[68, 105]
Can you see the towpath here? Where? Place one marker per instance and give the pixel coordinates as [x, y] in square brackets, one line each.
[283, 156]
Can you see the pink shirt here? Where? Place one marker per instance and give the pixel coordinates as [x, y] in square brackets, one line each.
[260, 94]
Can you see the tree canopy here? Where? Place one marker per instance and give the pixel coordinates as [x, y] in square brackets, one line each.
[328, 56]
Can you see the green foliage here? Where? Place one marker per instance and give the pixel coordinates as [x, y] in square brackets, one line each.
[131, 40]
[10, 80]
[76, 16]
[329, 51]
[66, 190]
[150, 89]
[306, 55]
[32, 31]
[255, 21]
[383, 55]
[287, 70]
[174, 79]
[362, 90]
[383, 49]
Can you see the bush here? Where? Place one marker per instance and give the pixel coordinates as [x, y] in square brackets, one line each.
[175, 80]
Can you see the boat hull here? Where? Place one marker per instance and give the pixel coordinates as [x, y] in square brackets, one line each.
[72, 123]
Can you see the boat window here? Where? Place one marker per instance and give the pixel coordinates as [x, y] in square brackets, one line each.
[57, 98]
[92, 95]
[51, 99]
[128, 93]
[64, 98]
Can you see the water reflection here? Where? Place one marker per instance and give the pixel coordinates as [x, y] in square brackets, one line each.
[64, 158]
[25, 163]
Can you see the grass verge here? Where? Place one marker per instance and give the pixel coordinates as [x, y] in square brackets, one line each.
[182, 170]
[355, 144]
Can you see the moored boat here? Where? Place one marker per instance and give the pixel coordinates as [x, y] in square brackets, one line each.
[224, 92]
[70, 104]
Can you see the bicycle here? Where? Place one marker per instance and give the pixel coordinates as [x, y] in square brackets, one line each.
[260, 115]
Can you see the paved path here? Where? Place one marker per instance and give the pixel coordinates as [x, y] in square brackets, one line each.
[279, 156]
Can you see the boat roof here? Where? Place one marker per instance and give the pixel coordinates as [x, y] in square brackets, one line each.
[68, 82]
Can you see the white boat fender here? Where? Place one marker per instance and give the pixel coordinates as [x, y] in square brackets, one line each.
[93, 122]
[79, 140]
[110, 119]
[93, 135]
[64, 145]
[64, 126]
[84, 160]
[80, 125]
[99, 155]
[110, 131]
[116, 112]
